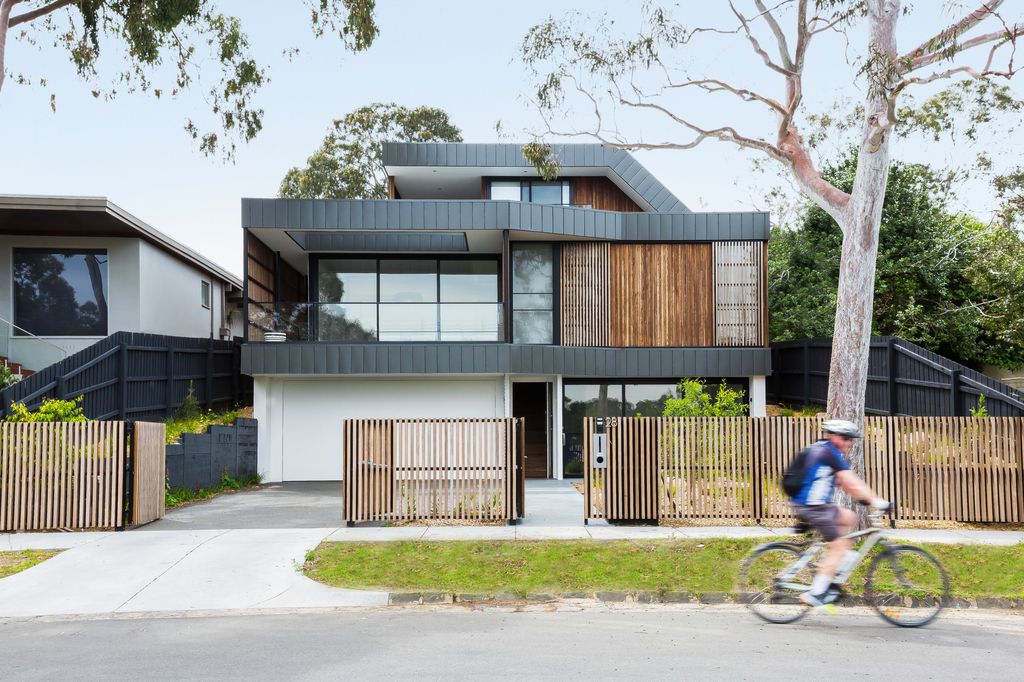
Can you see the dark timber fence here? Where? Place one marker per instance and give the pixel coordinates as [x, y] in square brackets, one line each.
[903, 379]
[130, 375]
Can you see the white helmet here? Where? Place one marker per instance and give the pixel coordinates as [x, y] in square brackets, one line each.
[841, 427]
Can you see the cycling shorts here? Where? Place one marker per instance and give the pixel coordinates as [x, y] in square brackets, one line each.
[824, 517]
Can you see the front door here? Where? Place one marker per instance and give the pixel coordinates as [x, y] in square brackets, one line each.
[530, 401]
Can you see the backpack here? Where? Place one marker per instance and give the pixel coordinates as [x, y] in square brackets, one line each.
[793, 478]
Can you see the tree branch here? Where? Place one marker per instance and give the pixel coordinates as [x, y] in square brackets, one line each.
[715, 85]
[998, 37]
[780, 36]
[760, 51]
[5, 18]
[935, 43]
[42, 11]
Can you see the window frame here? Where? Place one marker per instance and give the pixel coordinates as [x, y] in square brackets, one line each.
[313, 283]
[71, 250]
[206, 294]
[556, 286]
[526, 188]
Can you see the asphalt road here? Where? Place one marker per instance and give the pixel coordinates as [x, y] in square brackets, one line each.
[447, 643]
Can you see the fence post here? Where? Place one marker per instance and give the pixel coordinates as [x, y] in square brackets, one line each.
[892, 360]
[954, 393]
[128, 513]
[122, 373]
[236, 370]
[209, 375]
[806, 354]
[61, 388]
[169, 385]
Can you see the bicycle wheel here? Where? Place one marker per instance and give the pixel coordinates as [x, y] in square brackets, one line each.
[759, 587]
[907, 586]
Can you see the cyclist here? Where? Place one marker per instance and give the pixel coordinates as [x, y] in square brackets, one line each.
[826, 466]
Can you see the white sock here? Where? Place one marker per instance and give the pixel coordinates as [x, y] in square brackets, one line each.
[821, 583]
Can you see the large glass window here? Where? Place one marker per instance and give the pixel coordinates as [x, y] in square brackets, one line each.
[532, 293]
[60, 292]
[347, 296]
[417, 299]
[535, 191]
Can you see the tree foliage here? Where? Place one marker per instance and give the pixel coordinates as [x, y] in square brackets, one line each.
[348, 164]
[694, 399]
[944, 280]
[194, 37]
[52, 410]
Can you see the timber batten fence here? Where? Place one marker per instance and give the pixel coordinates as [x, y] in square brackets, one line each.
[728, 469]
[80, 475]
[409, 469]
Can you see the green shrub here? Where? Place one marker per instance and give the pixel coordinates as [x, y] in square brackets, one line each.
[52, 410]
[980, 410]
[693, 400]
[198, 423]
[190, 407]
[7, 377]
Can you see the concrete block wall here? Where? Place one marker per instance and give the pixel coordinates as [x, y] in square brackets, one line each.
[200, 458]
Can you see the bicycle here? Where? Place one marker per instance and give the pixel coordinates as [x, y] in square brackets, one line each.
[905, 585]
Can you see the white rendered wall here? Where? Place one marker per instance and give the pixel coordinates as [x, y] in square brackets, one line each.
[123, 300]
[757, 397]
[172, 297]
[300, 419]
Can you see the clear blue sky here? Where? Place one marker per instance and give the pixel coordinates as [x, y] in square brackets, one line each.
[456, 55]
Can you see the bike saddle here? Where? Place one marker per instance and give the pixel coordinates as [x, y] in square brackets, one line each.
[802, 527]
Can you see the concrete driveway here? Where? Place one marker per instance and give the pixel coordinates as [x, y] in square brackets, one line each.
[314, 504]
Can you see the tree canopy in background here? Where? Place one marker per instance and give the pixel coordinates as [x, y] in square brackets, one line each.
[348, 164]
[945, 281]
[193, 37]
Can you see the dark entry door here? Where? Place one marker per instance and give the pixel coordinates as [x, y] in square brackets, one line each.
[530, 401]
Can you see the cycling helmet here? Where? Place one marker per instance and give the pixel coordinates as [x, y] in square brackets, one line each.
[841, 427]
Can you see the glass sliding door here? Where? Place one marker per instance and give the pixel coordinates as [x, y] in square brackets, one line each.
[347, 299]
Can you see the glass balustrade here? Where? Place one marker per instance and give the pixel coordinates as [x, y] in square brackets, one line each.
[372, 322]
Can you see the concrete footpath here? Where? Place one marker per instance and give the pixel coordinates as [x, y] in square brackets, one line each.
[146, 571]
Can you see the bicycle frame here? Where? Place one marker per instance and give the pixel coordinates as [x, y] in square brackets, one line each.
[872, 536]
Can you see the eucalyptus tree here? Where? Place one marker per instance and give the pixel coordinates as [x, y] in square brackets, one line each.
[179, 41]
[579, 60]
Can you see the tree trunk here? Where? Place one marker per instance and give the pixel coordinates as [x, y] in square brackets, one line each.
[5, 19]
[862, 219]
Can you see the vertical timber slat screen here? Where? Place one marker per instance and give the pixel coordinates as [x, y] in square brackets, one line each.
[408, 469]
[739, 292]
[584, 295]
[936, 469]
[72, 475]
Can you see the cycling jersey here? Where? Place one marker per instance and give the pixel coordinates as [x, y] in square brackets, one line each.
[819, 481]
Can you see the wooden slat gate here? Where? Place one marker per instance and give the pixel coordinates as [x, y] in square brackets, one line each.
[728, 470]
[408, 469]
[80, 475]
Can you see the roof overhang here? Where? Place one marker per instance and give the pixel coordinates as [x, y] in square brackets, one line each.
[52, 216]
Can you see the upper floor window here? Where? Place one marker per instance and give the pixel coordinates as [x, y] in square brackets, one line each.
[60, 292]
[534, 191]
[204, 295]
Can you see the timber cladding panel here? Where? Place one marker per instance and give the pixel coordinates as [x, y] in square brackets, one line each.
[662, 295]
[584, 294]
[269, 280]
[600, 193]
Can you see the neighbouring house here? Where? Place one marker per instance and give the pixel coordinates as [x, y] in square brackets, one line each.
[480, 290]
[74, 270]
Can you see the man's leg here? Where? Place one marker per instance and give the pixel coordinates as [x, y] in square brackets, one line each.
[838, 545]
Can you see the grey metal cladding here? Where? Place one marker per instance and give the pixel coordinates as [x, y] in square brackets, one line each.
[492, 358]
[571, 221]
[618, 161]
[322, 240]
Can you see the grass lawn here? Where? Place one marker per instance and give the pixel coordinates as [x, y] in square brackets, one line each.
[586, 566]
[14, 562]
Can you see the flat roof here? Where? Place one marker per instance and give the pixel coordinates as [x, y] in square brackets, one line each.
[74, 216]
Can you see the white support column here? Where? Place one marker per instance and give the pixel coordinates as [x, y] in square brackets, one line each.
[508, 395]
[556, 428]
[758, 397]
[267, 408]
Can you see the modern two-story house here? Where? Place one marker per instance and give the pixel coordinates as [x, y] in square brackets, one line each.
[477, 289]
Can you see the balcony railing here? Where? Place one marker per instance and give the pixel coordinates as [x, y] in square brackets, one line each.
[373, 322]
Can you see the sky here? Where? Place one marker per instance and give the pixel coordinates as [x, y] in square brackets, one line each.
[456, 55]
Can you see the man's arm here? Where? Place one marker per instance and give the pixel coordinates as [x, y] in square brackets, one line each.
[853, 486]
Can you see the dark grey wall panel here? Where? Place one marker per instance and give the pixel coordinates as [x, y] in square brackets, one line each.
[413, 215]
[619, 163]
[492, 358]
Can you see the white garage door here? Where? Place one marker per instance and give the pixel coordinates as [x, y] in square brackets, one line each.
[313, 412]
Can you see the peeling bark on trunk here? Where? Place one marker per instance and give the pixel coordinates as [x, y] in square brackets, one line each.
[862, 219]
